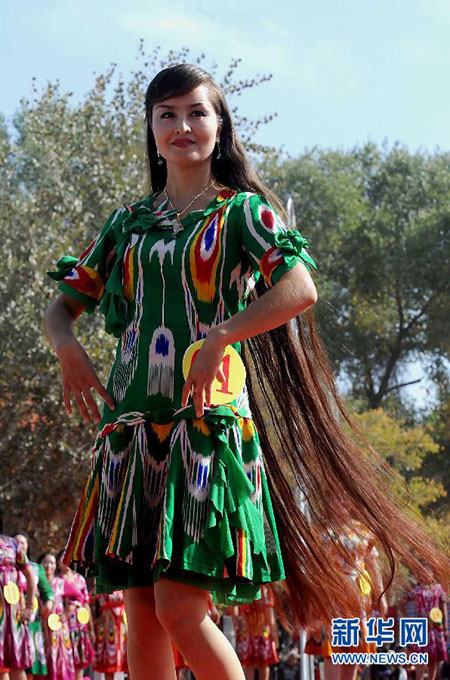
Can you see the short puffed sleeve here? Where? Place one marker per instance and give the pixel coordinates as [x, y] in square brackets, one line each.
[84, 278]
[271, 248]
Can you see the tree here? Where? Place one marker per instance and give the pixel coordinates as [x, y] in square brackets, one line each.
[63, 171]
[379, 225]
[409, 449]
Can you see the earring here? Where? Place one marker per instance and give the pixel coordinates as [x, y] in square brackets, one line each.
[160, 159]
[219, 155]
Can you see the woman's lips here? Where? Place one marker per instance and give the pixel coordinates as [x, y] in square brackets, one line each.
[183, 143]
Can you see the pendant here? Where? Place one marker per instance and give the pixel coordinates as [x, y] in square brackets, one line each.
[178, 226]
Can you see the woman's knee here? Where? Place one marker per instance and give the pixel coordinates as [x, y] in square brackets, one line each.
[179, 606]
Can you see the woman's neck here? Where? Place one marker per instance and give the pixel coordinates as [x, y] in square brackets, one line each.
[185, 182]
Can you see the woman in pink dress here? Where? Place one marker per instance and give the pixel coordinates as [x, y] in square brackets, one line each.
[58, 646]
[430, 603]
[16, 647]
[81, 634]
[110, 634]
[256, 635]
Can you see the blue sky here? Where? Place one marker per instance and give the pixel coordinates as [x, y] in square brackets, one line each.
[344, 71]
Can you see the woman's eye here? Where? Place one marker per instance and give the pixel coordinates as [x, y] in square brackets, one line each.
[166, 114]
[199, 111]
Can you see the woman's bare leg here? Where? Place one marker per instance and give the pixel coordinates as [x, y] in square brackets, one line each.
[183, 611]
[421, 669]
[17, 674]
[432, 670]
[330, 670]
[348, 672]
[264, 672]
[249, 672]
[149, 647]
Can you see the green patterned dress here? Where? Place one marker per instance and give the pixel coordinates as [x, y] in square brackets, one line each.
[169, 493]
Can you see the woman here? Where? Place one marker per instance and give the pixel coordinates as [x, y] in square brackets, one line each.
[365, 572]
[45, 594]
[16, 646]
[110, 634]
[177, 502]
[81, 632]
[429, 602]
[58, 647]
[257, 635]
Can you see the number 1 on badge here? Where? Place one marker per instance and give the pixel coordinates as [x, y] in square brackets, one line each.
[231, 365]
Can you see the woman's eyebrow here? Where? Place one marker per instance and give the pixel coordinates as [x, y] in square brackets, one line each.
[171, 106]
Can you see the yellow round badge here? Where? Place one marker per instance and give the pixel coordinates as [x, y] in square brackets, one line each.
[35, 604]
[436, 615]
[124, 618]
[364, 582]
[54, 622]
[11, 592]
[82, 616]
[232, 366]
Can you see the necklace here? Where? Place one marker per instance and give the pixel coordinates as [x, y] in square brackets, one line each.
[178, 226]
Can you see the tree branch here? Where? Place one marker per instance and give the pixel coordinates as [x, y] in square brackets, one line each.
[395, 387]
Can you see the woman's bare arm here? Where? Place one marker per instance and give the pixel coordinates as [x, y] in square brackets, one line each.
[292, 294]
[77, 373]
[59, 319]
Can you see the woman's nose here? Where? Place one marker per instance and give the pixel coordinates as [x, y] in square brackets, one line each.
[183, 125]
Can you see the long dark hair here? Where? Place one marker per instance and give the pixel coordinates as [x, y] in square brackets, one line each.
[305, 444]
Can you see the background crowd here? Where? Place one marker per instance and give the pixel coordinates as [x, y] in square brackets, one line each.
[53, 626]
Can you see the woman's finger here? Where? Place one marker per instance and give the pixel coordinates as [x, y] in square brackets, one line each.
[186, 392]
[208, 395]
[104, 394]
[92, 404]
[221, 375]
[81, 405]
[199, 400]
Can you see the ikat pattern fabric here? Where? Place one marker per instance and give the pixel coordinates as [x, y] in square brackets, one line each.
[168, 492]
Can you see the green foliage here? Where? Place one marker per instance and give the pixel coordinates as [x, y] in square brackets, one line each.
[378, 221]
[408, 449]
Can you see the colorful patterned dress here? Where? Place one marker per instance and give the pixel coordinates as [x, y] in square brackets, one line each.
[83, 651]
[58, 645]
[110, 633]
[426, 599]
[44, 594]
[255, 640]
[170, 493]
[16, 646]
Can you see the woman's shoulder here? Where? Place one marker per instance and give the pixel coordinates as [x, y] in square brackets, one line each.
[249, 203]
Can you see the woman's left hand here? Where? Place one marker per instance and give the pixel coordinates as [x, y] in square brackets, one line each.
[204, 369]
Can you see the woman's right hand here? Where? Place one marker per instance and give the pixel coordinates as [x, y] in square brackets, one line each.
[78, 378]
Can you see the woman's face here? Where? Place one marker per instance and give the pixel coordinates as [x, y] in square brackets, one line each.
[49, 564]
[186, 128]
[23, 543]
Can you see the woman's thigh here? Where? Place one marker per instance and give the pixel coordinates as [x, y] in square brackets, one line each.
[178, 604]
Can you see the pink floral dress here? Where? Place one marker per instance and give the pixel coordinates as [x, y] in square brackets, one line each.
[83, 651]
[426, 599]
[58, 645]
[110, 634]
[16, 646]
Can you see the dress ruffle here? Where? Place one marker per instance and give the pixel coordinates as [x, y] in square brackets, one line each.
[291, 241]
[152, 499]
